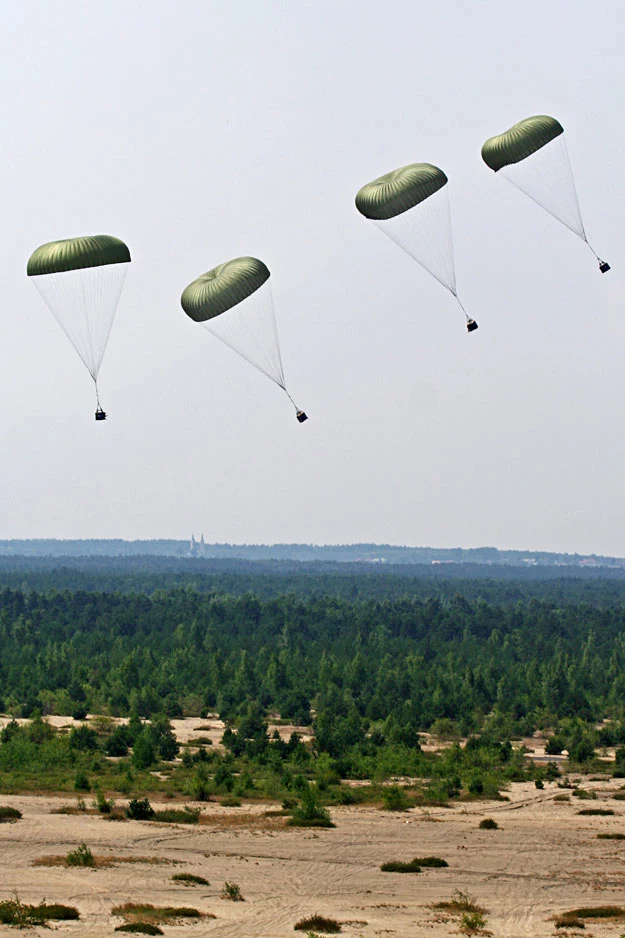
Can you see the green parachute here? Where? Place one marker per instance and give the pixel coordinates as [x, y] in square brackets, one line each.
[532, 155]
[411, 206]
[234, 302]
[81, 280]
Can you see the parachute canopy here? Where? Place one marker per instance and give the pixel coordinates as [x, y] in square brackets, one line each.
[411, 206]
[400, 190]
[223, 287]
[234, 302]
[520, 141]
[532, 155]
[77, 253]
[81, 280]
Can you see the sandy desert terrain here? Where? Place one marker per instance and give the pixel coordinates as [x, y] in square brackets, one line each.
[544, 859]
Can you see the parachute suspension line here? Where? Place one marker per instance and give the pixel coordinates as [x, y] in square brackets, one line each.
[466, 315]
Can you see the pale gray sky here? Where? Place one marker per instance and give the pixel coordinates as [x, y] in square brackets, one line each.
[198, 131]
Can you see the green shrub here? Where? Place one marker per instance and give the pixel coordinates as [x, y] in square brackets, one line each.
[583, 794]
[328, 926]
[141, 928]
[81, 856]
[436, 862]
[231, 891]
[8, 814]
[310, 812]
[189, 879]
[81, 782]
[395, 799]
[395, 866]
[140, 809]
[230, 801]
[600, 812]
[488, 824]
[471, 922]
[611, 836]
[102, 804]
[14, 912]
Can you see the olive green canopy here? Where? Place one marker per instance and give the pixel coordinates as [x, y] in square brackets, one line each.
[76, 254]
[520, 141]
[399, 190]
[223, 287]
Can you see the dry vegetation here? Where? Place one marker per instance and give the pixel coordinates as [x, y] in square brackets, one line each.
[136, 912]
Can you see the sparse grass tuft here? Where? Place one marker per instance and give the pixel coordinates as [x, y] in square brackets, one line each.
[135, 912]
[8, 814]
[460, 902]
[189, 879]
[81, 856]
[488, 824]
[562, 798]
[327, 926]
[185, 815]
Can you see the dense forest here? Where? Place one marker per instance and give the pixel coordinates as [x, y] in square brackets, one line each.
[368, 661]
[355, 662]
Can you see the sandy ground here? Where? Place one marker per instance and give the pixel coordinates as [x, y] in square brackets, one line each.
[544, 859]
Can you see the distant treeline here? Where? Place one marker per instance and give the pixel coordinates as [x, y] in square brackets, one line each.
[370, 554]
[268, 579]
[397, 664]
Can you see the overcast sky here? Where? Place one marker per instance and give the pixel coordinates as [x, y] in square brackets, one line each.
[198, 131]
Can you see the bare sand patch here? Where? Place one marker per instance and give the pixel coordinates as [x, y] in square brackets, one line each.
[542, 861]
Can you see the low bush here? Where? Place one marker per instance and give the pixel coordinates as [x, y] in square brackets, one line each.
[231, 891]
[472, 922]
[310, 813]
[318, 923]
[230, 801]
[395, 798]
[55, 912]
[81, 856]
[14, 912]
[8, 814]
[611, 836]
[576, 918]
[396, 866]
[189, 879]
[135, 912]
[141, 928]
[562, 798]
[140, 809]
[488, 824]
[583, 794]
[431, 861]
